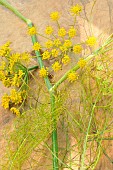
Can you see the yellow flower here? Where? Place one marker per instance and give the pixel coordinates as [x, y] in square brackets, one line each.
[15, 57]
[15, 97]
[5, 49]
[72, 76]
[46, 55]
[91, 41]
[5, 101]
[15, 110]
[75, 10]
[81, 63]
[48, 44]
[36, 46]
[25, 57]
[67, 43]
[6, 82]
[63, 48]
[15, 81]
[32, 31]
[55, 16]
[49, 30]
[57, 42]
[2, 75]
[56, 66]
[3, 65]
[72, 32]
[20, 74]
[55, 52]
[66, 59]
[43, 72]
[77, 49]
[61, 32]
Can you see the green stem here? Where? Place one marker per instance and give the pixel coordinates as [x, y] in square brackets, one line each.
[15, 11]
[47, 82]
[54, 134]
[33, 68]
[87, 134]
[86, 139]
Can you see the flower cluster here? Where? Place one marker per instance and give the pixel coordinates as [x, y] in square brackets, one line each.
[43, 72]
[72, 32]
[72, 76]
[49, 30]
[14, 73]
[66, 59]
[77, 49]
[59, 47]
[75, 10]
[36, 46]
[32, 31]
[56, 66]
[81, 63]
[91, 41]
[5, 49]
[15, 98]
[15, 111]
[61, 32]
[55, 16]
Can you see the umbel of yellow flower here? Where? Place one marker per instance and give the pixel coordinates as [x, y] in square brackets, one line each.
[3, 65]
[72, 76]
[32, 31]
[16, 81]
[5, 49]
[55, 16]
[15, 110]
[6, 82]
[72, 32]
[46, 55]
[77, 49]
[91, 41]
[56, 66]
[2, 75]
[54, 52]
[61, 32]
[57, 42]
[81, 63]
[66, 59]
[15, 97]
[63, 48]
[5, 101]
[43, 72]
[36, 46]
[15, 57]
[49, 30]
[75, 10]
[67, 43]
[25, 57]
[48, 44]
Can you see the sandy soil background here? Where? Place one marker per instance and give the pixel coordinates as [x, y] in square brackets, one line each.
[13, 29]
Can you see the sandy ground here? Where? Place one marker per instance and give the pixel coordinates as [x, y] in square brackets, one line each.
[13, 29]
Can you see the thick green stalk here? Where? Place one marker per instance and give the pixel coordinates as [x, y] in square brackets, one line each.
[52, 98]
[47, 82]
[11, 8]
